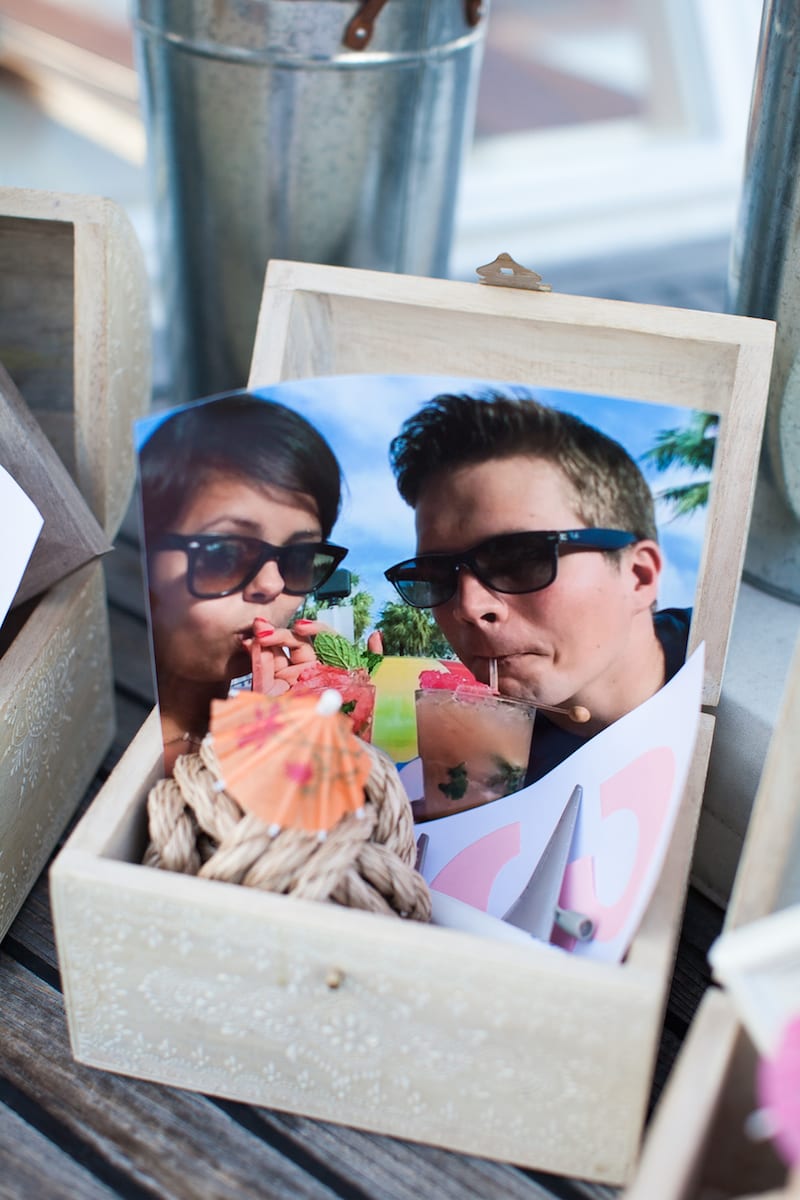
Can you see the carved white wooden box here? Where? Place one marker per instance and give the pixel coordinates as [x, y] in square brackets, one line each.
[432, 1034]
[698, 1147]
[75, 336]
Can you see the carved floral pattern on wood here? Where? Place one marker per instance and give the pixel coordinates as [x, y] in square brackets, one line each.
[55, 725]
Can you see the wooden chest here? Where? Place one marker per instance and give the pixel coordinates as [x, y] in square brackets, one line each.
[429, 1034]
[74, 335]
[698, 1146]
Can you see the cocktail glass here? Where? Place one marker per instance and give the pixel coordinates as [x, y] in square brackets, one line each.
[355, 687]
[474, 747]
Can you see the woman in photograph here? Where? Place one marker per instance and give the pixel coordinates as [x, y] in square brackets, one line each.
[239, 496]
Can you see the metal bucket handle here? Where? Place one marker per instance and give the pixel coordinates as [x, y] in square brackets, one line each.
[359, 30]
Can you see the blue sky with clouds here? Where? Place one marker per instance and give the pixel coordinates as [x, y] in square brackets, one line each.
[359, 415]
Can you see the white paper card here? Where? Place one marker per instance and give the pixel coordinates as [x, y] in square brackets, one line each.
[22, 524]
[632, 775]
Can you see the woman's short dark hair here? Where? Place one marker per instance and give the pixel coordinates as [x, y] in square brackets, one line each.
[452, 431]
[240, 434]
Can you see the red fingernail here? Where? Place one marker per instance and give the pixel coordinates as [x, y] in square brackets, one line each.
[303, 621]
[262, 628]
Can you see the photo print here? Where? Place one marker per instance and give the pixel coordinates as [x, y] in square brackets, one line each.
[313, 477]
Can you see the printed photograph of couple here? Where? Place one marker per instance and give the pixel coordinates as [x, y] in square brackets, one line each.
[429, 542]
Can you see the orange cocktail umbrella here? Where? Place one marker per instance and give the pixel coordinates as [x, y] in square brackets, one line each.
[292, 761]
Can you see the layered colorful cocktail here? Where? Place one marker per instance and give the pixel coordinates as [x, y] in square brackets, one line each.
[474, 746]
[355, 687]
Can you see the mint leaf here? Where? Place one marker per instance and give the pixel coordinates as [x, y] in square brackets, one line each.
[372, 660]
[334, 650]
[457, 785]
[508, 776]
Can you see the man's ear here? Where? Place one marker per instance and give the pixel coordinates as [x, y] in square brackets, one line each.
[645, 563]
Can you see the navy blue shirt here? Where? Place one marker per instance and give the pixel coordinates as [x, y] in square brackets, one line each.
[551, 744]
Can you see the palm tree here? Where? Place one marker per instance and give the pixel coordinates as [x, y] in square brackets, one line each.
[360, 601]
[411, 631]
[692, 446]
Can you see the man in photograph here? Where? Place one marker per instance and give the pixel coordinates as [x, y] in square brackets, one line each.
[537, 548]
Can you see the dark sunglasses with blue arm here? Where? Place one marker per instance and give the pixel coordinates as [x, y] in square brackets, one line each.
[510, 563]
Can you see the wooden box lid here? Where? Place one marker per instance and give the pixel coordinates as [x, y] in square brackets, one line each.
[70, 535]
[317, 320]
[75, 334]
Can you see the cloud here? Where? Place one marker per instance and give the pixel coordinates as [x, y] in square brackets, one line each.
[364, 412]
[374, 511]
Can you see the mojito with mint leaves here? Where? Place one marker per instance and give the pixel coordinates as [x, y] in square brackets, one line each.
[474, 746]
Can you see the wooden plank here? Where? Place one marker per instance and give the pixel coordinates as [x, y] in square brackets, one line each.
[130, 652]
[176, 1144]
[129, 529]
[31, 1165]
[701, 926]
[124, 580]
[131, 713]
[31, 934]
[387, 1167]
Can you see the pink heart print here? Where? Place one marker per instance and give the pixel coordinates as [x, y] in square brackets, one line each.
[470, 874]
[643, 787]
[778, 1087]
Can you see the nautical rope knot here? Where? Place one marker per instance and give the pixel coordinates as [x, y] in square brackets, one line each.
[365, 861]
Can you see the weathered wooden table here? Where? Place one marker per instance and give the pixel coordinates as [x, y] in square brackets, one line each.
[72, 1131]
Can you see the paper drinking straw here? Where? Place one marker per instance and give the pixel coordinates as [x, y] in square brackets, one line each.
[257, 666]
[576, 712]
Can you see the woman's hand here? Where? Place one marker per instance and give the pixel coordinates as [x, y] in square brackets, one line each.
[284, 653]
[375, 642]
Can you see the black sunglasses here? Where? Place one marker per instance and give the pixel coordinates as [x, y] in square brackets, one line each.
[221, 564]
[511, 563]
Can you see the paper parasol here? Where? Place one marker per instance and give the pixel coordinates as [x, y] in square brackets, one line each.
[291, 761]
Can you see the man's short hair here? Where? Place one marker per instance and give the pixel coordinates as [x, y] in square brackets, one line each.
[452, 431]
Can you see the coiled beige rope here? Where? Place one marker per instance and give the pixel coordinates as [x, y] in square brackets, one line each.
[366, 860]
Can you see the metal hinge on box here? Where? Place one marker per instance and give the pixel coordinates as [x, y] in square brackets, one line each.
[505, 272]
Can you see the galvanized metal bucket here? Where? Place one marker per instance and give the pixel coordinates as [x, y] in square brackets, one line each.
[765, 282]
[320, 130]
